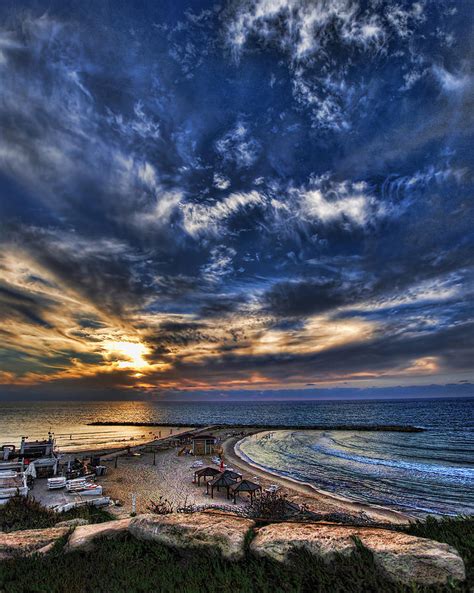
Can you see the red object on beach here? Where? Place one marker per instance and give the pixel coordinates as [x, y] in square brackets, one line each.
[222, 465]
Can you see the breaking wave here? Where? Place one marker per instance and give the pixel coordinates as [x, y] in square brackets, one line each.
[417, 473]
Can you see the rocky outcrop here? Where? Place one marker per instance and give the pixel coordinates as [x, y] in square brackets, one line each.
[405, 558]
[29, 541]
[402, 558]
[278, 541]
[224, 533]
[84, 537]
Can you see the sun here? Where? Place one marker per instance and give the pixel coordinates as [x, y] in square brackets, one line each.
[127, 355]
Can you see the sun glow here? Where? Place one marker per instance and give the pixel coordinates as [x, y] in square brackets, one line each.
[127, 355]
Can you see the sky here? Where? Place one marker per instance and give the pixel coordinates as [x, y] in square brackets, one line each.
[252, 195]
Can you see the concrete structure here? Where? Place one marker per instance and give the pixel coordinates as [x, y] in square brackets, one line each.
[36, 449]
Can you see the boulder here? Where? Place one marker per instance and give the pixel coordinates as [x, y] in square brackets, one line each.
[72, 522]
[209, 531]
[406, 558]
[84, 537]
[29, 541]
[402, 558]
[278, 540]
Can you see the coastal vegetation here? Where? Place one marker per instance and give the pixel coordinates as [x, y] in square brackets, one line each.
[132, 565]
[26, 513]
[116, 566]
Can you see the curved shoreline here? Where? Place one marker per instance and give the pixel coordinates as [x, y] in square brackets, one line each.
[245, 458]
[314, 495]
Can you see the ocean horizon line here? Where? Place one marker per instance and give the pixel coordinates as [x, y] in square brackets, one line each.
[224, 400]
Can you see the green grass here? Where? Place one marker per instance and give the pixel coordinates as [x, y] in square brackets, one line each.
[21, 513]
[128, 565]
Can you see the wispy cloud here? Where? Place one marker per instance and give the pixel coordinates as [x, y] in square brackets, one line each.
[214, 218]
[452, 82]
[238, 148]
[259, 194]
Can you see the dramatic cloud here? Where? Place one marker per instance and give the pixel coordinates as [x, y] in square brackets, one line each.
[267, 194]
[213, 219]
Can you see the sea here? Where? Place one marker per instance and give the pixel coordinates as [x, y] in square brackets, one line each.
[429, 472]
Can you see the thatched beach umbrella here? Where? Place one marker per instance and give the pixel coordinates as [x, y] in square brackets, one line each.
[205, 472]
[245, 486]
[234, 475]
[223, 480]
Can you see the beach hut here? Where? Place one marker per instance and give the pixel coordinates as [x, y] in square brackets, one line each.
[203, 444]
[205, 472]
[223, 480]
[245, 486]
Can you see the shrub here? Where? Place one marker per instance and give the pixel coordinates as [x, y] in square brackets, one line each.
[162, 506]
[27, 513]
[271, 506]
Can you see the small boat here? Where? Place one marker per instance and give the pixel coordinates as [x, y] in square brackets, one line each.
[56, 483]
[9, 473]
[17, 466]
[83, 486]
[95, 502]
[6, 493]
[12, 484]
[198, 463]
[87, 490]
[78, 481]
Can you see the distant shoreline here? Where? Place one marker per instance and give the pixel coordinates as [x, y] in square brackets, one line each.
[356, 427]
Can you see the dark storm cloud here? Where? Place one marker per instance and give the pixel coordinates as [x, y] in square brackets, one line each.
[382, 356]
[219, 306]
[14, 303]
[226, 185]
[176, 334]
[304, 298]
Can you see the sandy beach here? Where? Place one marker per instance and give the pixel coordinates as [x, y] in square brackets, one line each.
[172, 478]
